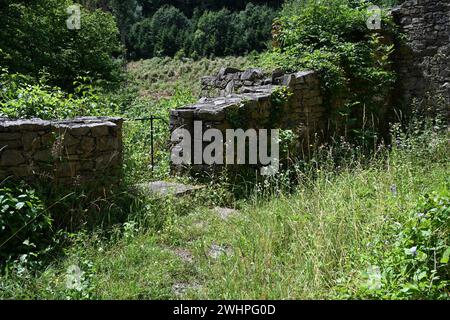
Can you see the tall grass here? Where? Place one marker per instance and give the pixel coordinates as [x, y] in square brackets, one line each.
[314, 242]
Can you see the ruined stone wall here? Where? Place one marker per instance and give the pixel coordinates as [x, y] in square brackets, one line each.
[423, 61]
[77, 151]
[249, 101]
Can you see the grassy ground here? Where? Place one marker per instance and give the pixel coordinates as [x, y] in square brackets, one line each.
[311, 243]
[160, 77]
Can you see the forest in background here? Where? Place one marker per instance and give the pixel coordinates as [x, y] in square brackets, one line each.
[190, 28]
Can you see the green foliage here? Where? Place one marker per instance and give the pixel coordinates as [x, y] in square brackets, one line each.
[415, 265]
[22, 97]
[214, 33]
[207, 33]
[252, 28]
[162, 35]
[279, 97]
[191, 7]
[34, 38]
[137, 164]
[160, 77]
[311, 237]
[332, 37]
[24, 223]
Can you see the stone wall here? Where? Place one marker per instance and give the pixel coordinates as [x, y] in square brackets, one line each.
[248, 101]
[77, 151]
[423, 62]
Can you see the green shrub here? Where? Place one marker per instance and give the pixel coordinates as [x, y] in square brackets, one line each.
[35, 38]
[162, 35]
[24, 222]
[23, 97]
[332, 38]
[411, 261]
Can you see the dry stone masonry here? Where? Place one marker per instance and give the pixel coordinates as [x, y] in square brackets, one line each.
[247, 99]
[90, 149]
[250, 99]
[424, 61]
[77, 151]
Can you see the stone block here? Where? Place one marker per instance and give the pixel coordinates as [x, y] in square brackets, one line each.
[11, 158]
[99, 130]
[88, 144]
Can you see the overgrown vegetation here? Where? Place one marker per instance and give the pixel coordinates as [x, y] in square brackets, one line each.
[359, 219]
[364, 229]
[24, 97]
[332, 37]
[35, 40]
[191, 28]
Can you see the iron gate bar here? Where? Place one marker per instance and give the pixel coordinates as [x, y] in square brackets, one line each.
[151, 119]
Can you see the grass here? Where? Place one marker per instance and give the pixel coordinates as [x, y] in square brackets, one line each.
[160, 77]
[154, 87]
[313, 243]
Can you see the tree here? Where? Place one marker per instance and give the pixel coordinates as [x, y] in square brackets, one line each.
[214, 33]
[164, 34]
[127, 12]
[35, 39]
[254, 25]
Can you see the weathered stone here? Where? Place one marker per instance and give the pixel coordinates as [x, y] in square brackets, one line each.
[169, 188]
[67, 169]
[424, 58]
[87, 166]
[107, 144]
[107, 160]
[11, 158]
[24, 125]
[43, 156]
[99, 130]
[79, 130]
[11, 144]
[31, 141]
[277, 73]
[87, 144]
[253, 107]
[252, 74]
[216, 251]
[67, 146]
[227, 70]
[67, 140]
[225, 213]
[10, 136]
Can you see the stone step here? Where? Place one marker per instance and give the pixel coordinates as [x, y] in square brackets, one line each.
[164, 188]
[225, 213]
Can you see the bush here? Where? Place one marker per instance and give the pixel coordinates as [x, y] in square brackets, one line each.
[162, 35]
[35, 38]
[214, 33]
[24, 223]
[332, 37]
[23, 97]
[415, 263]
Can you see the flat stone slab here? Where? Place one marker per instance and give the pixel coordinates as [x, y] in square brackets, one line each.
[216, 251]
[225, 213]
[170, 188]
[183, 254]
[179, 289]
